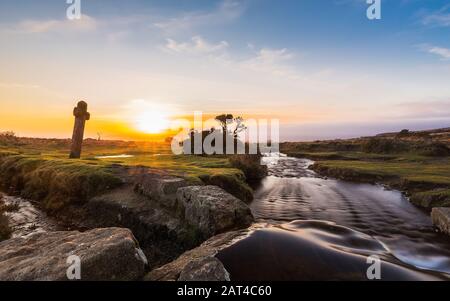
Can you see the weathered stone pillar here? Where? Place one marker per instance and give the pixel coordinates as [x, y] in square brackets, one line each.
[81, 115]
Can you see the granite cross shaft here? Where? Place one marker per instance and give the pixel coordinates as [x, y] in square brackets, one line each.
[81, 115]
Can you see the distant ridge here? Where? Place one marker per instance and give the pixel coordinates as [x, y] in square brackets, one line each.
[433, 131]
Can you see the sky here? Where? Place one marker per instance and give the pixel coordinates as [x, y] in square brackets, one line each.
[319, 66]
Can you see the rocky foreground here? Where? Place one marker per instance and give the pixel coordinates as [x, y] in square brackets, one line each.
[145, 223]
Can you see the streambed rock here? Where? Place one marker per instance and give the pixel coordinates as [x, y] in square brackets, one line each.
[105, 254]
[441, 219]
[205, 269]
[199, 263]
[212, 210]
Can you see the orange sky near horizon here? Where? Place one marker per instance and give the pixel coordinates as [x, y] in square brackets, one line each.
[29, 124]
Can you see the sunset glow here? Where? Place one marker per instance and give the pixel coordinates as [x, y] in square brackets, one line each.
[217, 57]
[152, 122]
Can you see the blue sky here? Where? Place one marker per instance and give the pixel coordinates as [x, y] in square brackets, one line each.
[320, 66]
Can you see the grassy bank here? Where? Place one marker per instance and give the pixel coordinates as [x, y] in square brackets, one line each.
[39, 169]
[52, 181]
[416, 163]
[229, 173]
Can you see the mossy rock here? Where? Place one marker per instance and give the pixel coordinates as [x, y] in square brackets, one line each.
[250, 165]
[231, 184]
[432, 198]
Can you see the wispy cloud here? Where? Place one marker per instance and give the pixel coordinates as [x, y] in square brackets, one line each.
[272, 61]
[197, 45]
[226, 11]
[442, 52]
[86, 23]
[440, 18]
[266, 60]
[271, 56]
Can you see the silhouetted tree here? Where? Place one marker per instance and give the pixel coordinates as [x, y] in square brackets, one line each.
[227, 121]
[224, 120]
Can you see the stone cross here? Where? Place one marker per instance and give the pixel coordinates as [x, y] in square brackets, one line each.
[81, 115]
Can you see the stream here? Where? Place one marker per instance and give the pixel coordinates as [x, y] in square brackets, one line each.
[314, 228]
[26, 219]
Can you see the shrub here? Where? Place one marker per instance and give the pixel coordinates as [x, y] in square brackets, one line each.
[250, 166]
[403, 133]
[435, 149]
[7, 138]
[384, 146]
[7, 134]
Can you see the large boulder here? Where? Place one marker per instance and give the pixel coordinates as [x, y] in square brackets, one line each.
[162, 234]
[441, 219]
[105, 254]
[212, 210]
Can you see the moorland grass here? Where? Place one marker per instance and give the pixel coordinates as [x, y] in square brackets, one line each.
[39, 168]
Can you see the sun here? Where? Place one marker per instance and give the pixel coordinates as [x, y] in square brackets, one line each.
[152, 122]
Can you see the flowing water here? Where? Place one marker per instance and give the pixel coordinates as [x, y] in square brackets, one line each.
[326, 229]
[26, 219]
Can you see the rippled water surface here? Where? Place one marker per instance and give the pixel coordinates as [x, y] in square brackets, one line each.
[357, 212]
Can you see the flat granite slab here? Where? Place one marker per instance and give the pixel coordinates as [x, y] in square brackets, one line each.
[441, 219]
[104, 254]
